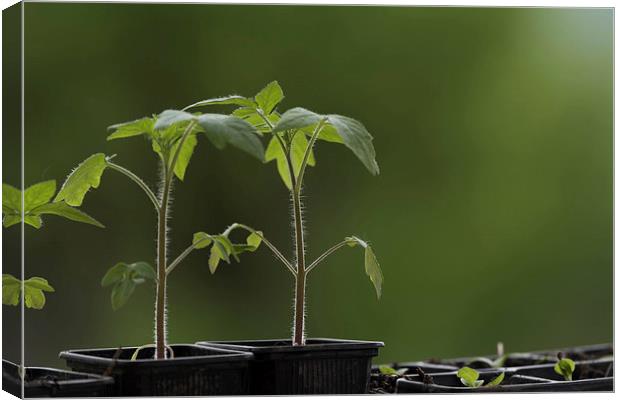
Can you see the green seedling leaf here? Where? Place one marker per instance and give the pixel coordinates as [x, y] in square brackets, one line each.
[132, 128]
[496, 381]
[297, 118]
[39, 194]
[33, 220]
[64, 210]
[214, 258]
[185, 155]
[222, 129]
[357, 139]
[469, 377]
[565, 367]
[11, 219]
[78, 183]
[33, 291]
[274, 151]
[269, 97]
[231, 100]
[387, 370]
[371, 265]
[201, 240]
[124, 278]
[252, 242]
[114, 274]
[226, 248]
[171, 117]
[11, 288]
[351, 132]
[256, 120]
[254, 239]
[11, 199]
[327, 134]
[373, 270]
[121, 292]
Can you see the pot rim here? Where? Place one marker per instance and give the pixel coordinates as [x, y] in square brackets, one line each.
[226, 355]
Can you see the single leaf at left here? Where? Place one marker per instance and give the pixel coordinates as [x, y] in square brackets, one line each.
[78, 183]
[11, 199]
[11, 288]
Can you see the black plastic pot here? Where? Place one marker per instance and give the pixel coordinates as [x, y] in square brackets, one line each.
[50, 382]
[194, 370]
[322, 366]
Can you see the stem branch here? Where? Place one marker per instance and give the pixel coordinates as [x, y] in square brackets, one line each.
[323, 256]
[273, 248]
[137, 180]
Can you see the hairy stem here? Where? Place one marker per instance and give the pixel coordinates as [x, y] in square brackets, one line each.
[327, 253]
[299, 336]
[162, 232]
[160, 306]
[300, 279]
[137, 180]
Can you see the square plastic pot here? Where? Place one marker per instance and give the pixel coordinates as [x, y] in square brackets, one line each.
[194, 370]
[50, 382]
[322, 366]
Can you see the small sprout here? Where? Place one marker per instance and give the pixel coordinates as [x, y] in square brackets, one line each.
[496, 381]
[38, 202]
[564, 367]
[387, 370]
[469, 377]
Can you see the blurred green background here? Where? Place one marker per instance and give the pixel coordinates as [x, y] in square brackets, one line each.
[492, 216]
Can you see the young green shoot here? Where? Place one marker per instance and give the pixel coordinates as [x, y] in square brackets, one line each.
[173, 137]
[564, 367]
[387, 370]
[292, 136]
[469, 377]
[37, 200]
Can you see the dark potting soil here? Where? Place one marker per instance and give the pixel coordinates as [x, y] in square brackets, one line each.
[386, 384]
